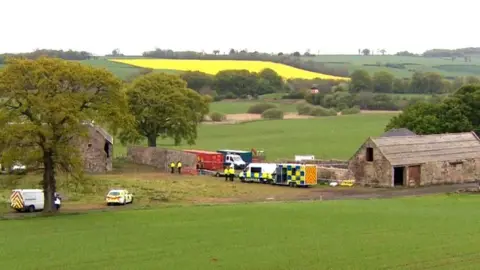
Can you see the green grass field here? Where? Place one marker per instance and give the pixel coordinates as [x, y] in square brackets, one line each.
[123, 71]
[443, 66]
[233, 107]
[324, 137]
[435, 232]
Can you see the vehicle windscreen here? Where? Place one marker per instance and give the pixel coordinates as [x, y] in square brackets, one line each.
[114, 193]
[237, 158]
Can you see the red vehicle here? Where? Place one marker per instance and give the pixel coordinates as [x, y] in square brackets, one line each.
[208, 160]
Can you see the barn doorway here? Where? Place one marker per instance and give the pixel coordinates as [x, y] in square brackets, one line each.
[398, 176]
[106, 148]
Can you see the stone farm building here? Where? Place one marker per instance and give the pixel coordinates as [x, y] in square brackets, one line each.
[417, 160]
[97, 150]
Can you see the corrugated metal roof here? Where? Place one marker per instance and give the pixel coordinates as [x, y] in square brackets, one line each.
[405, 150]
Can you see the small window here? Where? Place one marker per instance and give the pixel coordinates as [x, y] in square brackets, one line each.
[369, 154]
[89, 145]
[256, 169]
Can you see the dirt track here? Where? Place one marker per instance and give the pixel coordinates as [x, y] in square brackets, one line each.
[329, 193]
[298, 194]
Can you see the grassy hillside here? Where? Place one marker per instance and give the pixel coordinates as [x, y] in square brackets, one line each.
[444, 66]
[409, 233]
[123, 71]
[325, 137]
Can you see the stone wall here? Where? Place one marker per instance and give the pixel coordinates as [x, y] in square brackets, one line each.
[160, 157]
[376, 173]
[449, 172]
[333, 173]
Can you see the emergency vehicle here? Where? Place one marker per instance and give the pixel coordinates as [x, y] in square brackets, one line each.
[30, 200]
[119, 196]
[280, 174]
[258, 172]
[302, 175]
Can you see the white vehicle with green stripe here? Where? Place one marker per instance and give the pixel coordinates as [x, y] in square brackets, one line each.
[258, 172]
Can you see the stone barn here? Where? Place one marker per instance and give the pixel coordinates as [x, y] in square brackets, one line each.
[417, 160]
[97, 150]
[160, 157]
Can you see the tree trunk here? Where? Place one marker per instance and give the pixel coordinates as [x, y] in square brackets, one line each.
[49, 183]
[152, 141]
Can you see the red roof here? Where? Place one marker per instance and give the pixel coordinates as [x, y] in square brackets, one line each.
[201, 151]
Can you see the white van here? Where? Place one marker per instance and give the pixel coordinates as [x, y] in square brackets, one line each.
[254, 171]
[30, 200]
[236, 160]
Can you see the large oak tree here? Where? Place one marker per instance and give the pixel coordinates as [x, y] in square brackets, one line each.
[44, 106]
[164, 107]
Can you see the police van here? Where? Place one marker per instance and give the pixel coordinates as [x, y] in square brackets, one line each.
[258, 172]
[30, 200]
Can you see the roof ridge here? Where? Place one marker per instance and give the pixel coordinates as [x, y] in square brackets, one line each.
[425, 135]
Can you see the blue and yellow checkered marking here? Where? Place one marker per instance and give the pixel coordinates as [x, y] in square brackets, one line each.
[297, 176]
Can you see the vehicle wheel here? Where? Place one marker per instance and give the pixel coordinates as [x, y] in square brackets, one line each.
[124, 201]
[31, 209]
[131, 202]
[217, 174]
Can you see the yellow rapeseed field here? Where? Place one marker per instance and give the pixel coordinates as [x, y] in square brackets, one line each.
[214, 66]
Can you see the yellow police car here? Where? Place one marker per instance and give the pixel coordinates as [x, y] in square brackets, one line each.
[119, 196]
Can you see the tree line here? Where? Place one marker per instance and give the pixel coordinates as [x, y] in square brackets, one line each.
[235, 83]
[460, 112]
[364, 91]
[66, 55]
[461, 52]
[419, 83]
[294, 59]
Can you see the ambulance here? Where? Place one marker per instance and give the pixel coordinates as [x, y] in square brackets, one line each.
[292, 174]
[287, 174]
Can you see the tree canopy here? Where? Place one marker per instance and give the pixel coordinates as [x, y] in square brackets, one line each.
[44, 107]
[163, 106]
[458, 113]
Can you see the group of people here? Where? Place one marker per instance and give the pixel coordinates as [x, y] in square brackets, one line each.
[178, 165]
[229, 172]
